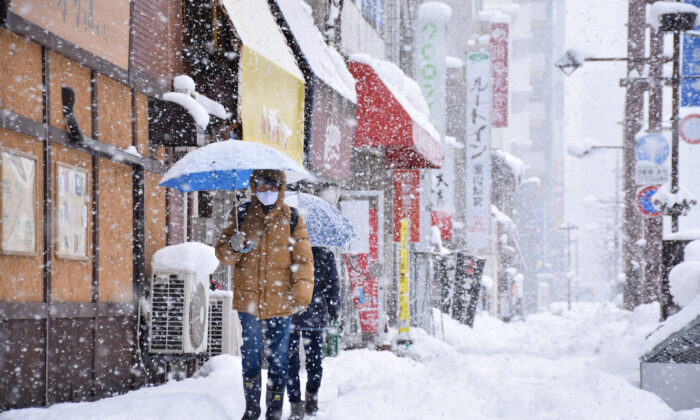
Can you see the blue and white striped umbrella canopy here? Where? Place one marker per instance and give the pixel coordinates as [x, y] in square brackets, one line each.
[227, 165]
[326, 225]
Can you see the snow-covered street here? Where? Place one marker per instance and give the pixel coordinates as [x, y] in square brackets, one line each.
[579, 364]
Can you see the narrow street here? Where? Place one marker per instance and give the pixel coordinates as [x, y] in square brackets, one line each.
[577, 365]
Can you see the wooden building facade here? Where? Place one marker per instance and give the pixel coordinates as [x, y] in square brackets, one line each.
[81, 216]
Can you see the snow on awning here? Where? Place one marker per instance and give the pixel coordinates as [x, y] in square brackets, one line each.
[325, 62]
[392, 113]
[271, 86]
[330, 98]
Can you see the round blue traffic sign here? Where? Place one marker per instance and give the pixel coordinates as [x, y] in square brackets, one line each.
[644, 201]
[652, 148]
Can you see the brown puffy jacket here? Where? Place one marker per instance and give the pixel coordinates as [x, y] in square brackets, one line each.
[276, 276]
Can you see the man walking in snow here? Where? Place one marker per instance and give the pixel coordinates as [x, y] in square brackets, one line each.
[310, 324]
[273, 278]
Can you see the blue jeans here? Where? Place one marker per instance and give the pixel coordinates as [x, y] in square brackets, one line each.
[276, 333]
[313, 346]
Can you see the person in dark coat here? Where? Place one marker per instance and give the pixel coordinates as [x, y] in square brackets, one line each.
[310, 325]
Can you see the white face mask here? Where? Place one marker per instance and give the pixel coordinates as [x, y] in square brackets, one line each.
[268, 198]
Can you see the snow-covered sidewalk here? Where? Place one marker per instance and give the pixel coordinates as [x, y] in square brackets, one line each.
[579, 364]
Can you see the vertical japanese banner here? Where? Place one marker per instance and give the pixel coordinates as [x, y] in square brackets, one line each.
[478, 194]
[407, 202]
[499, 73]
[404, 311]
[430, 72]
[369, 316]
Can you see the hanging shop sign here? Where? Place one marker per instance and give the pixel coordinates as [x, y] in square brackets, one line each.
[71, 212]
[332, 133]
[404, 307]
[99, 27]
[407, 202]
[271, 86]
[18, 197]
[499, 73]
[478, 195]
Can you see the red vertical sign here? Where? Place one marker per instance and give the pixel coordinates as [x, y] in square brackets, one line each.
[443, 220]
[364, 291]
[407, 202]
[499, 74]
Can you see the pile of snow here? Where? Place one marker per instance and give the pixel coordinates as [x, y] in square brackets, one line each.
[684, 279]
[435, 11]
[516, 165]
[195, 257]
[562, 365]
[132, 151]
[404, 89]
[325, 62]
[684, 235]
[197, 111]
[580, 148]
[673, 324]
[664, 199]
[454, 62]
[502, 218]
[493, 16]
[667, 7]
[185, 84]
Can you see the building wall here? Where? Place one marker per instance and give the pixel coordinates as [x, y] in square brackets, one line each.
[55, 308]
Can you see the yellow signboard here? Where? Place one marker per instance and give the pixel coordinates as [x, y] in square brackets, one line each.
[404, 311]
[271, 104]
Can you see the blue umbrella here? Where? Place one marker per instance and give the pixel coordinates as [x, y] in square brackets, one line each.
[326, 225]
[227, 165]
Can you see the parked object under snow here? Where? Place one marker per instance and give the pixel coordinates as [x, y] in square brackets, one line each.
[684, 278]
[194, 257]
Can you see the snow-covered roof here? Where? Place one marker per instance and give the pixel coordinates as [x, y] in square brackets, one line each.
[516, 165]
[435, 10]
[259, 31]
[325, 62]
[673, 324]
[684, 235]
[195, 257]
[404, 89]
[667, 7]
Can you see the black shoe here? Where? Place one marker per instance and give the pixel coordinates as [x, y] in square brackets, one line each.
[311, 402]
[275, 401]
[252, 388]
[297, 410]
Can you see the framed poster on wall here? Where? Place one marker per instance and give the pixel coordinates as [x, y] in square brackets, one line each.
[71, 211]
[18, 202]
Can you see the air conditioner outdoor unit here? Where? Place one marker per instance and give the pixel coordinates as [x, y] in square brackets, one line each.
[224, 331]
[179, 307]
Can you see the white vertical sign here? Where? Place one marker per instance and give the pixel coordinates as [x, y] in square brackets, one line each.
[430, 72]
[478, 196]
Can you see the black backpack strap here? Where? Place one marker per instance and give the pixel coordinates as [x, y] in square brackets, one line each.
[242, 213]
[293, 219]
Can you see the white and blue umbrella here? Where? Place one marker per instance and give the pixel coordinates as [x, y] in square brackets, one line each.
[326, 225]
[227, 165]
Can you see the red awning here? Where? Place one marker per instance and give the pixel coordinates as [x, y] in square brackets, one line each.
[383, 122]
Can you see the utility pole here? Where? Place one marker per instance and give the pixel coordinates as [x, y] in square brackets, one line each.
[634, 105]
[568, 228]
[653, 231]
